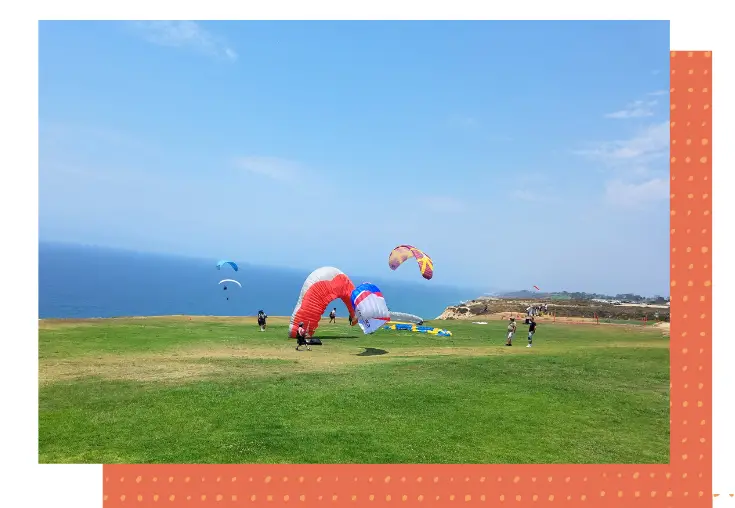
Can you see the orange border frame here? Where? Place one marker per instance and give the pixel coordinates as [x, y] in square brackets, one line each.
[686, 481]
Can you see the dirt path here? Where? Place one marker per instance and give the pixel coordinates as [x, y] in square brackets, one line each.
[200, 363]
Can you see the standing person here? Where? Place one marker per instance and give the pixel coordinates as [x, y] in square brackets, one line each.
[333, 315]
[511, 331]
[531, 331]
[261, 320]
[301, 337]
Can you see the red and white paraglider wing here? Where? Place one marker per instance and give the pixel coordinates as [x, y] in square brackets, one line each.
[321, 287]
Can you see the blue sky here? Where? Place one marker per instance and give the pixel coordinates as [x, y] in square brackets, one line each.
[514, 153]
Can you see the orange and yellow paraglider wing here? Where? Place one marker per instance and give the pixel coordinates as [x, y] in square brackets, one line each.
[403, 252]
[399, 255]
[426, 265]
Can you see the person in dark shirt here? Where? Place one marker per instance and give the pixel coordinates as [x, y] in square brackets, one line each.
[261, 320]
[531, 331]
[301, 338]
[333, 315]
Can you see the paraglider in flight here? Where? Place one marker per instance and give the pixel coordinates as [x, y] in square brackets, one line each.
[403, 252]
[537, 288]
[371, 311]
[224, 262]
[229, 280]
[321, 287]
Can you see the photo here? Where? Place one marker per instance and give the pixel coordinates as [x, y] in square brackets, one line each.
[374, 242]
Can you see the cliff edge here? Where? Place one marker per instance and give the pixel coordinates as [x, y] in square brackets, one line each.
[489, 306]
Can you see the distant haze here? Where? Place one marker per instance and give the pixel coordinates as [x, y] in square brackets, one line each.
[83, 282]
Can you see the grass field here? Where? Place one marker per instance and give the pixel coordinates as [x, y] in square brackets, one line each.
[215, 390]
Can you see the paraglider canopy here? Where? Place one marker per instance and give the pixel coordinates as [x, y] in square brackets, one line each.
[320, 288]
[225, 281]
[230, 280]
[401, 253]
[370, 307]
[407, 318]
[220, 264]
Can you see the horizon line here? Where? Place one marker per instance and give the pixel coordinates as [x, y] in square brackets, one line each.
[496, 292]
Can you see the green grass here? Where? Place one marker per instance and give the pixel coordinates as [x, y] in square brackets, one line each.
[161, 390]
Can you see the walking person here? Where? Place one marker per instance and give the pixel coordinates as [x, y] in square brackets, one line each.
[301, 337]
[511, 331]
[333, 315]
[531, 331]
[262, 320]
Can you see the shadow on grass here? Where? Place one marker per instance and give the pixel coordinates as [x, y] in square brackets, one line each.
[371, 351]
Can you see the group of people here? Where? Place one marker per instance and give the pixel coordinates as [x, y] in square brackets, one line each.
[531, 321]
[537, 310]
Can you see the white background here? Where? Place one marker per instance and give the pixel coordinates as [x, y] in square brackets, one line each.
[694, 26]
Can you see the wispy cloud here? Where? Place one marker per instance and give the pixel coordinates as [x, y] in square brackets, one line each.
[637, 109]
[185, 35]
[650, 143]
[281, 170]
[64, 133]
[444, 204]
[546, 197]
[463, 122]
[525, 195]
[659, 92]
[639, 166]
[636, 195]
[531, 178]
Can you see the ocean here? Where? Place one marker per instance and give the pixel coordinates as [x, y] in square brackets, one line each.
[88, 282]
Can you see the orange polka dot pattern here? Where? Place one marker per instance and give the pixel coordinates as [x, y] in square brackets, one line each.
[685, 482]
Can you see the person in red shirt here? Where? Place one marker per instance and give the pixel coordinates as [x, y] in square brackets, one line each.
[301, 337]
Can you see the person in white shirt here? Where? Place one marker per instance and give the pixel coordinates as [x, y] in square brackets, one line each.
[511, 331]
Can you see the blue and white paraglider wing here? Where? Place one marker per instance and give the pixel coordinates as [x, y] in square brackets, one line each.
[371, 311]
[225, 262]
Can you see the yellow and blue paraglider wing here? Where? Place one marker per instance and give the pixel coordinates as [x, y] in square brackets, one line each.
[408, 327]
